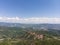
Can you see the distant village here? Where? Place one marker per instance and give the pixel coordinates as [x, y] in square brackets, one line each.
[36, 36]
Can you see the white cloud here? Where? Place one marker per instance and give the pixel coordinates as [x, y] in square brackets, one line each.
[30, 20]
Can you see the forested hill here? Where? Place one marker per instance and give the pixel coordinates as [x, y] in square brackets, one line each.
[34, 34]
[14, 32]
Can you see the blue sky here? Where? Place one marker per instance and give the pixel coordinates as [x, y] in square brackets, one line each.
[30, 8]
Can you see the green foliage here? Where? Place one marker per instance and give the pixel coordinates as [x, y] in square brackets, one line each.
[19, 36]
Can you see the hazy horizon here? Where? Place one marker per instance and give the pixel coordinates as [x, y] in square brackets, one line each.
[30, 11]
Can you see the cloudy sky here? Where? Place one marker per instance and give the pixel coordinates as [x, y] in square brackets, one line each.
[30, 11]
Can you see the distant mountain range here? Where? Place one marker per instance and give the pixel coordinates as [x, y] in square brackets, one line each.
[34, 26]
[18, 28]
